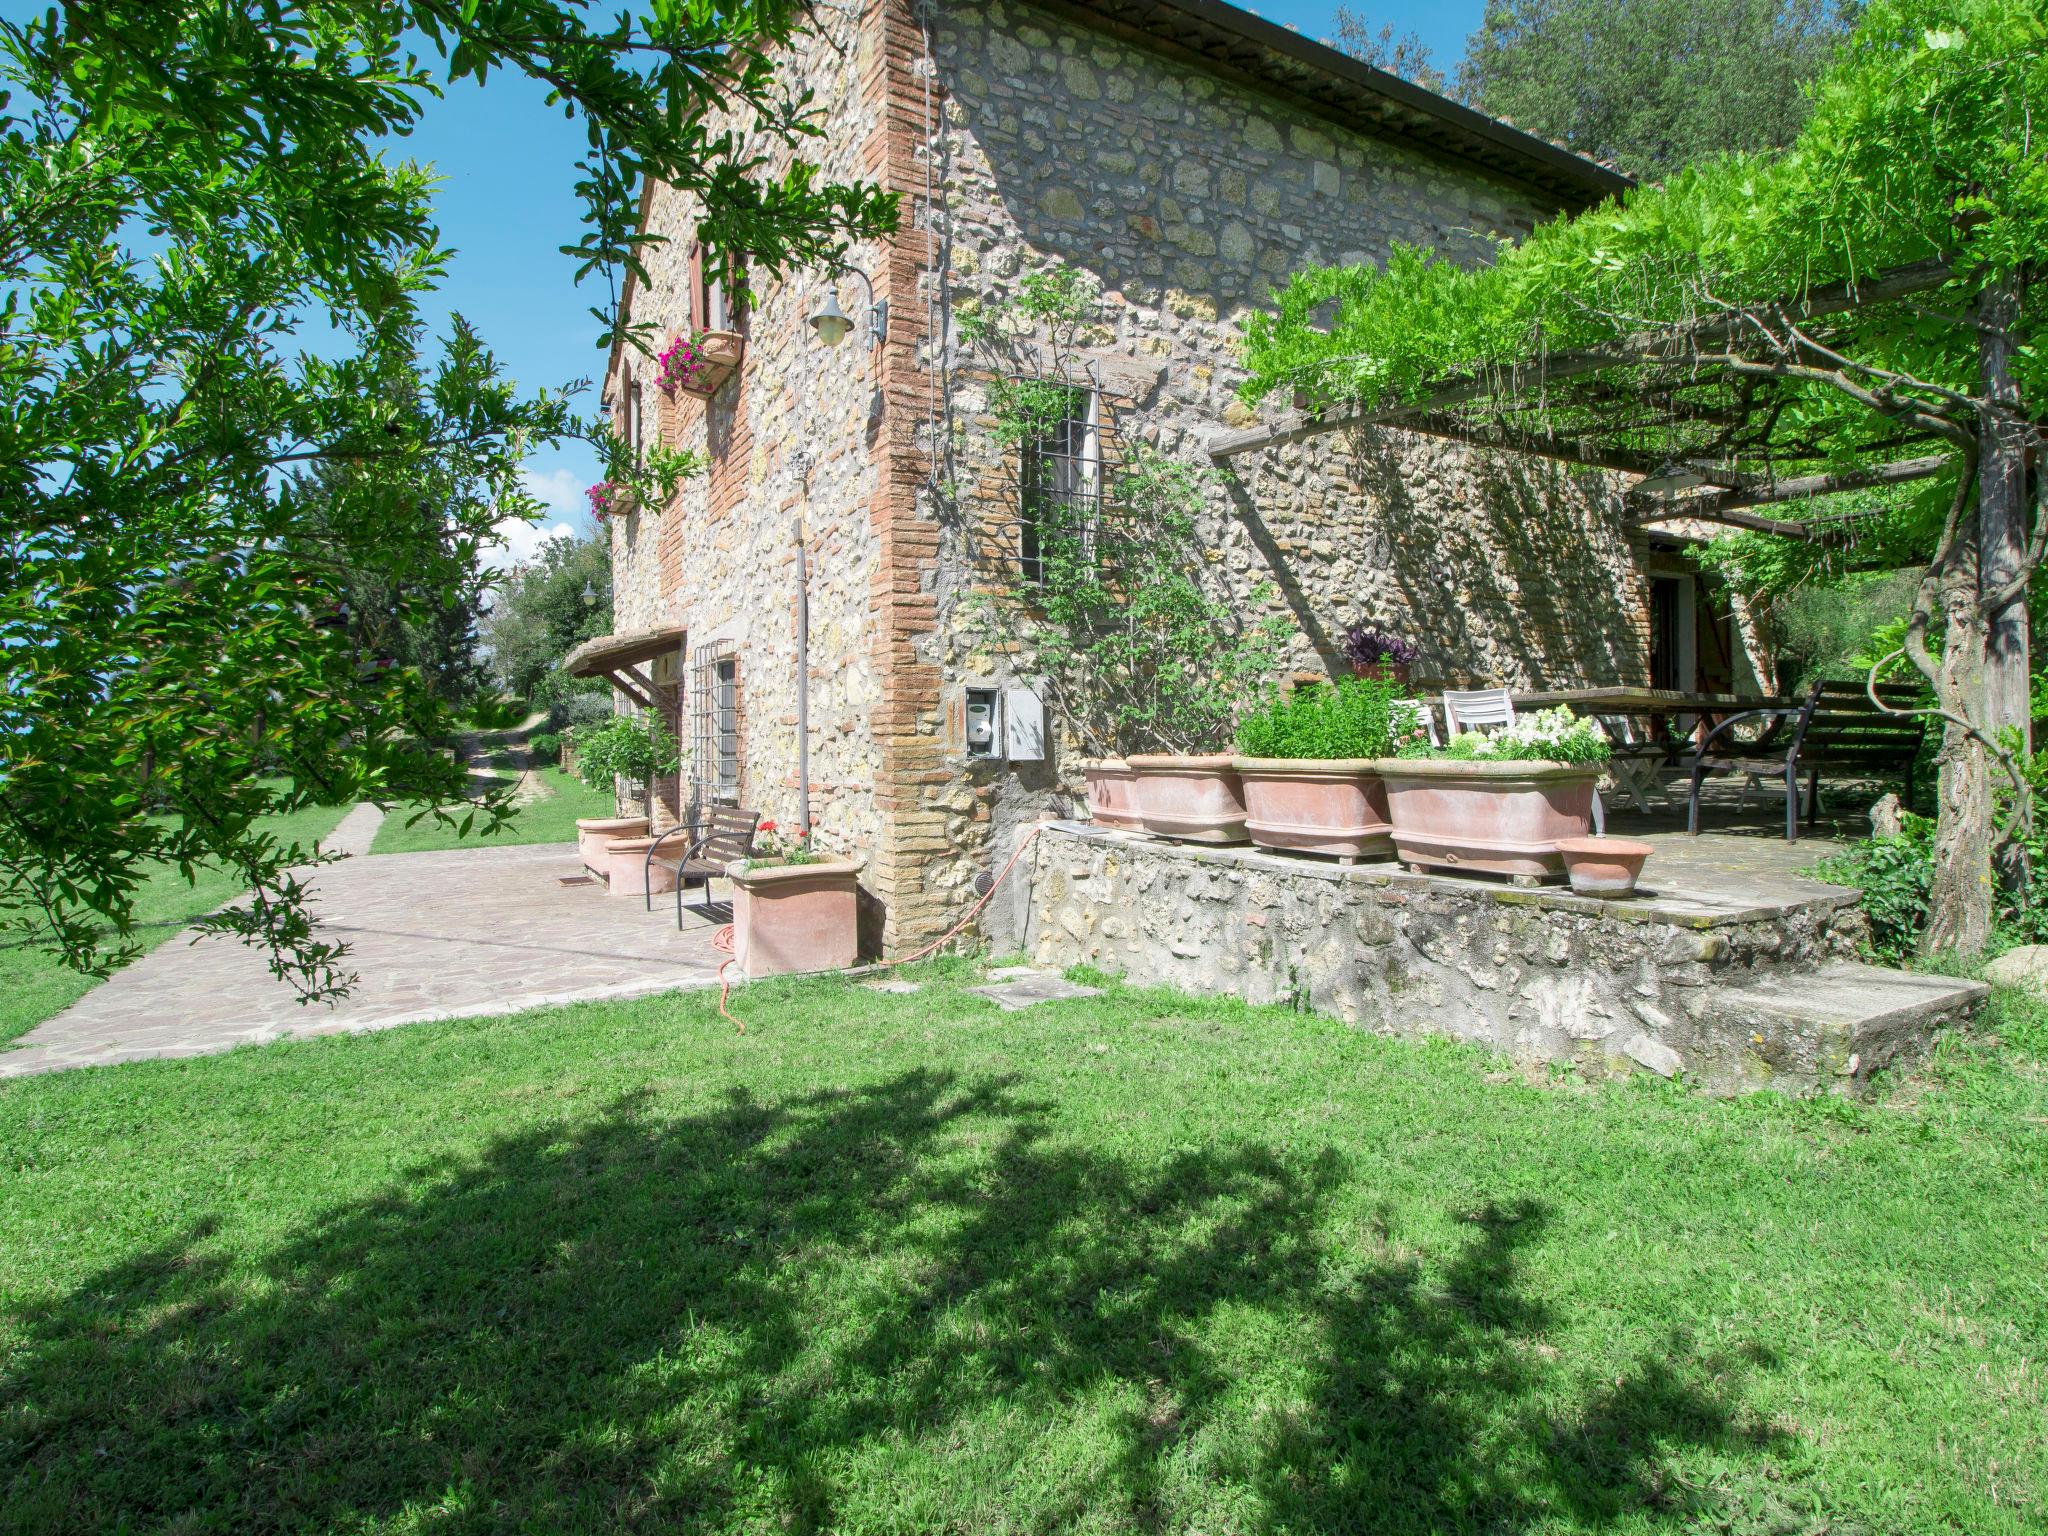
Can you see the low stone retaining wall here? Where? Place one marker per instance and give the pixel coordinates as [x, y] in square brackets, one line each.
[1613, 987]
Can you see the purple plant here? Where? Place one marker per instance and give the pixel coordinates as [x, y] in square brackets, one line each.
[1366, 647]
[678, 368]
[607, 499]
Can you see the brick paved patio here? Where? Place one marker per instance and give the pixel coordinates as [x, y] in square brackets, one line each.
[432, 936]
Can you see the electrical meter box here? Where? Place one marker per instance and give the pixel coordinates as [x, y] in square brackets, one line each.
[984, 722]
[1005, 723]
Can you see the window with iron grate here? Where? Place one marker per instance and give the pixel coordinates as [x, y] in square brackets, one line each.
[714, 697]
[1061, 487]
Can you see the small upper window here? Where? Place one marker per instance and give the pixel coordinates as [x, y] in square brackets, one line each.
[631, 422]
[1062, 487]
[716, 303]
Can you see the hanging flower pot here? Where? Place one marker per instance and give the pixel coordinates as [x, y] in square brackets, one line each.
[609, 499]
[699, 363]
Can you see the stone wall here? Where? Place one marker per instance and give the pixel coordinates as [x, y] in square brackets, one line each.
[1543, 976]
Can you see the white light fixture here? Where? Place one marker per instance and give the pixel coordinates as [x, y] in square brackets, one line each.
[833, 324]
[830, 321]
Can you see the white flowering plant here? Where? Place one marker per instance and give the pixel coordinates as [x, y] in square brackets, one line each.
[1548, 736]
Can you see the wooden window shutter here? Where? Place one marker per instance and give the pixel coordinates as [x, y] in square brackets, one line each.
[700, 291]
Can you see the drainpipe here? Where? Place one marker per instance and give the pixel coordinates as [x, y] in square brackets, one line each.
[803, 679]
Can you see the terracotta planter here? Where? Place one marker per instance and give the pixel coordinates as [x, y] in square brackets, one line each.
[721, 353]
[1112, 793]
[795, 917]
[592, 833]
[1495, 818]
[1193, 799]
[1397, 671]
[1603, 866]
[1310, 805]
[627, 872]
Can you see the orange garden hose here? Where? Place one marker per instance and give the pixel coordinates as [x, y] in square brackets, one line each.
[723, 939]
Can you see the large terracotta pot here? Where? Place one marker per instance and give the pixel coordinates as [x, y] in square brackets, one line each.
[627, 872]
[1310, 805]
[1497, 818]
[593, 832]
[1193, 799]
[1112, 793]
[795, 917]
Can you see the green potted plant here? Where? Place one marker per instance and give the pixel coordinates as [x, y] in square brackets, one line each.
[1307, 766]
[640, 750]
[1502, 801]
[793, 908]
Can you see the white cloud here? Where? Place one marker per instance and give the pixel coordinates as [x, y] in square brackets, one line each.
[518, 541]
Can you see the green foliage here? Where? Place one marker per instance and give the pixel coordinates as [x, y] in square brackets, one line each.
[545, 609]
[631, 747]
[546, 746]
[1925, 111]
[223, 530]
[1652, 85]
[497, 712]
[1836, 630]
[1894, 874]
[1349, 719]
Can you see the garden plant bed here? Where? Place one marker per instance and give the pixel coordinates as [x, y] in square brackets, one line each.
[1708, 982]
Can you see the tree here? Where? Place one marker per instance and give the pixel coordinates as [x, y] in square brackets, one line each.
[1405, 54]
[185, 184]
[545, 609]
[1652, 85]
[1850, 316]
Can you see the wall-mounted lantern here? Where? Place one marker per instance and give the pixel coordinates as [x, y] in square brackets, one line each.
[833, 324]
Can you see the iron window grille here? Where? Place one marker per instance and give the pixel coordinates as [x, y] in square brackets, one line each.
[714, 699]
[1061, 491]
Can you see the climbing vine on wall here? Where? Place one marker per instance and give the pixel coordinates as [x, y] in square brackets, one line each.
[1104, 594]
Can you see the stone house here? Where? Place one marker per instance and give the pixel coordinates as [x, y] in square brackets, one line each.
[1185, 156]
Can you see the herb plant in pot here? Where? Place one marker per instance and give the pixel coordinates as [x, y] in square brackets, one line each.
[1310, 782]
[635, 749]
[1499, 802]
[793, 909]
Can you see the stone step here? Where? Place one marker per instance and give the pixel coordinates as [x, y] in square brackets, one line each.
[1827, 1030]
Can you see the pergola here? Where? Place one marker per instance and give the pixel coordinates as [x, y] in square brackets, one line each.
[621, 659]
[1707, 411]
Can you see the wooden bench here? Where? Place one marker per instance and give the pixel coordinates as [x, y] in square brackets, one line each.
[725, 833]
[1837, 730]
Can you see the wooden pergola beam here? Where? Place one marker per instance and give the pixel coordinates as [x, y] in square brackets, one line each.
[1714, 504]
[1668, 345]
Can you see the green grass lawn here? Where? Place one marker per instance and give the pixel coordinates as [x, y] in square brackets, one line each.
[34, 984]
[910, 1264]
[550, 819]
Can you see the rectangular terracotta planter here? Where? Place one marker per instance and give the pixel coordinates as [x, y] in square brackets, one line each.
[1494, 818]
[1190, 799]
[593, 832]
[795, 917]
[1312, 805]
[1112, 793]
[722, 352]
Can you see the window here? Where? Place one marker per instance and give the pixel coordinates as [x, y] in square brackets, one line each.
[630, 425]
[712, 306]
[727, 709]
[714, 700]
[1062, 486]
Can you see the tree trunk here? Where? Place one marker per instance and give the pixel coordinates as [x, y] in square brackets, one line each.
[2002, 507]
[1959, 898]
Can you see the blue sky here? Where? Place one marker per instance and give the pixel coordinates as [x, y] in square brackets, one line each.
[507, 202]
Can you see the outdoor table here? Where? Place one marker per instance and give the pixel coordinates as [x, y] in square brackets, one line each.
[1637, 764]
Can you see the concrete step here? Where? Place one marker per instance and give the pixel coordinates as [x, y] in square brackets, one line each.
[1827, 1030]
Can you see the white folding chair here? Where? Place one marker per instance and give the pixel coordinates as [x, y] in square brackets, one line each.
[1477, 707]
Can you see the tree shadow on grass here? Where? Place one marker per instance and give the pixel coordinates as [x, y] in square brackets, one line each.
[907, 1306]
